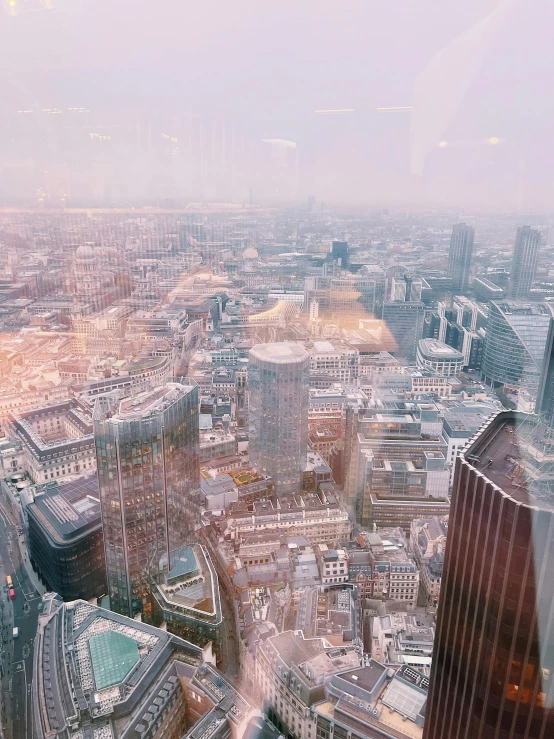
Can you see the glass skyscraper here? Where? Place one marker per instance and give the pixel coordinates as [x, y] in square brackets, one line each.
[459, 256]
[147, 452]
[524, 264]
[278, 381]
[515, 343]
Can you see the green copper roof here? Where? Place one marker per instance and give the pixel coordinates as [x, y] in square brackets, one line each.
[113, 656]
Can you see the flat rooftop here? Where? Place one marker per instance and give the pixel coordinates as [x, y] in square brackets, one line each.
[504, 452]
[69, 509]
[281, 352]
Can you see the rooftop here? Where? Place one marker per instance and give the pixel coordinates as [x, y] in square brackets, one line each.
[516, 453]
[283, 352]
[113, 656]
[67, 510]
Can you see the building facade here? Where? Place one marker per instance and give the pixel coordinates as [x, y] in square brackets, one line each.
[524, 263]
[515, 344]
[493, 660]
[148, 475]
[459, 256]
[278, 381]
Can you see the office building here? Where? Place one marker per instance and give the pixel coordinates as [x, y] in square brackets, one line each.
[148, 475]
[545, 394]
[486, 290]
[278, 381]
[66, 546]
[375, 701]
[397, 468]
[57, 440]
[459, 256]
[101, 675]
[404, 321]
[515, 343]
[339, 251]
[290, 676]
[524, 263]
[439, 358]
[493, 661]
[187, 598]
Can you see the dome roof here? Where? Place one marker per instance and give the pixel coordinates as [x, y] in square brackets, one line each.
[84, 252]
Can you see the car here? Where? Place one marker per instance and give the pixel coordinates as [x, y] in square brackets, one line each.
[12, 593]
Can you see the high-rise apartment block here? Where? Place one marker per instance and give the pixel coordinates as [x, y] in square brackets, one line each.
[524, 264]
[278, 381]
[459, 256]
[148, 475]
[493, 660]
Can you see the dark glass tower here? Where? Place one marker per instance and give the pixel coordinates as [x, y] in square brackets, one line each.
[524, 264]
[148, 475]
[493, 659]
[459, 256]
[339, 250]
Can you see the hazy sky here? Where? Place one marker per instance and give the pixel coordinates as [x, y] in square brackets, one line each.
[270, 65]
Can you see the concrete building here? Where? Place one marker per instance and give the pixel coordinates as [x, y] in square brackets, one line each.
[373, 701]
[101, 675]
[291, 673]
[524, 263]
[187, 598]
[439, 357]
[459, 256]
[278, 380]
[319, 517]
[396, 461]
[428, 544]
[403, 639]
[57, 440]
[148, 473]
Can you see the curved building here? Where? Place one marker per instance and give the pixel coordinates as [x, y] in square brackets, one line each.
[439, 357]
[278, 383]
[493, 660]
[515, 343]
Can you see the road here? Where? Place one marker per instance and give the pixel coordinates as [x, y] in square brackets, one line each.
[17, 653]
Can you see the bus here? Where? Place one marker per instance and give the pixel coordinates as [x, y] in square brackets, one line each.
[9, 581]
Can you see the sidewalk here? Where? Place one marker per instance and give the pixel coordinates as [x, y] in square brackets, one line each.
[33, 577]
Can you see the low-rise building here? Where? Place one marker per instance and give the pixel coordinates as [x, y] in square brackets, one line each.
[319, 517]
[428, 545]
[187, 599]
[402, 638]
[57, 440]
[291, 673]
[333, 565]
[371, 703]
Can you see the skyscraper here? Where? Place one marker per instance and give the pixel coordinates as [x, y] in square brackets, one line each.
[278, 382]
[148, 473]
[459, 256]
[339, 250]
[405, 323]
[524, 263]
[515, 343]
[493, 659]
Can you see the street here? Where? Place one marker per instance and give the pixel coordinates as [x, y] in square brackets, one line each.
[17, 654]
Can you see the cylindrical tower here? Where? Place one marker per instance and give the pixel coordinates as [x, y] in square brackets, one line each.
[278, 382]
